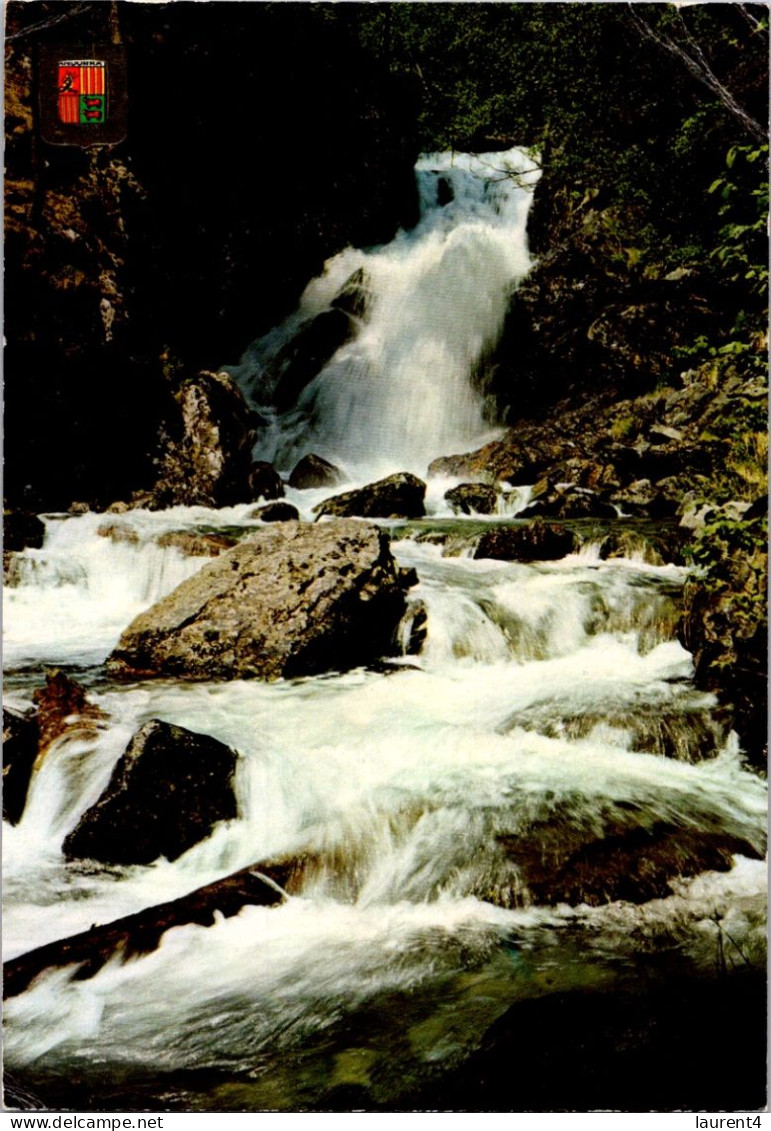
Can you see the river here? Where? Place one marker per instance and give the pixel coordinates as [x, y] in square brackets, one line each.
[551, 707]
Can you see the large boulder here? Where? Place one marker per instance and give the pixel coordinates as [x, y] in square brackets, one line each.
[142, 932]
[292, 600]
[167, 791]
[209, 464]
[20, 740]
[397, 496]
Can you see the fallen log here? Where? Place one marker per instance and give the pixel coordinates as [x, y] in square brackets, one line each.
[141, 932]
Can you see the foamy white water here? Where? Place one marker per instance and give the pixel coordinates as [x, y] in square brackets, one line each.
[548, 699]
[403, 390]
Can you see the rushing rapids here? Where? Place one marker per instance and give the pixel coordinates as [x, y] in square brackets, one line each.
[538, 802]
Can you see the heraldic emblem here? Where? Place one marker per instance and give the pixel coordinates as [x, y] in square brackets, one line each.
[82, 86]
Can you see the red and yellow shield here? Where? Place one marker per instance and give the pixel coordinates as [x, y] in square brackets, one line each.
[82, 87]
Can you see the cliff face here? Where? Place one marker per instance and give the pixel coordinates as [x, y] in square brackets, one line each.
[182, 243]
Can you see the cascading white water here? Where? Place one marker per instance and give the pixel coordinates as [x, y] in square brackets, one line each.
[403, 390]
[549, 699]
[404, 784]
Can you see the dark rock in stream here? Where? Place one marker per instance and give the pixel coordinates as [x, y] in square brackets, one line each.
[570, 864]
[307, 354]
[472, 498]
[397, 496]
[21, 529]
[20, 743]
[166, 793]
[295, 599]
[537, 854]
[265, 482]
[535, 541]
[314, 471]
[570, 503]
[276, 512]
[141, 933]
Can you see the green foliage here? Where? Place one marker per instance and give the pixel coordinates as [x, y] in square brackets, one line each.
[742, 251]
[726, 538]
[732, 559]
[635, 104]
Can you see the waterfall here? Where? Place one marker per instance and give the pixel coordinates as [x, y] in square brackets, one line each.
[538, 802]
[425, 311]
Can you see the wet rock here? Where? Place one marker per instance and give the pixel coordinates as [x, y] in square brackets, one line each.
[277, 512]
[642, 499]
[265, 482]
[62, 706]
[567, 862]
[354, 295]
[535, 541]
[307, 354]
[655, 547]
[142, 932]
[314, 471]
[570, 503]
[472, 498]
[415, 629]
[209, 464]
[118, 532]
[167, 791]
[397, 496]
[292, 600]
[20, 743]
[22, 529]
[12, 570]
[195, 545]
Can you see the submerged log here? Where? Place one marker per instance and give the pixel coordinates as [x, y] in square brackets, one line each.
[141, 933]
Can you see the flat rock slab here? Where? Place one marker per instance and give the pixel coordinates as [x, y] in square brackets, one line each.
[293, 600]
